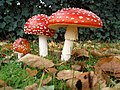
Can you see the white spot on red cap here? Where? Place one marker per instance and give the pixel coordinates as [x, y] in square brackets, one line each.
[80, 17]
[38, 24]
[74, 16]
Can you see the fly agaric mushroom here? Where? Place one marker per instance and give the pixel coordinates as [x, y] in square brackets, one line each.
[71, 19]
[21, 46]
[38, 25]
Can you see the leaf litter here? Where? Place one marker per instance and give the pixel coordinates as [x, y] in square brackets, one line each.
[36, 61]
[74, 78]
[110, 65]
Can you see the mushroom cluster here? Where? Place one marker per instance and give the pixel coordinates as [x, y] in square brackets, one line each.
[38, 25]
[71, 19]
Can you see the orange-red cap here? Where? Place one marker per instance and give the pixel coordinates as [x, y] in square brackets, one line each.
[21, 45]
[38, 25]
[74, 16]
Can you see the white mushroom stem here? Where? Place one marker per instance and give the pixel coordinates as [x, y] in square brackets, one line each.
[70, 35]
[19, 55]
[43, 48]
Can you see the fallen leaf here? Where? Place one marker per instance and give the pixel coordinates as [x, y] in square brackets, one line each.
[6, 88]
[110, 65]
[80, 53]
[47, 80]
[81, 82]
[102, 52]
[108, 88]
[52, 70]
[96, 53]
[103, 49]
[47, 87]
[36, 61]
[31, 72]
[32, 87]
[67, 74]
[117, 86]
[2, 83]
[71, 83]
[76, 67]
[98, 79]
[113, 50]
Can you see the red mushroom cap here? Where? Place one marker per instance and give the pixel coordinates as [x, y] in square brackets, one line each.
[74, 16]
[21, 45]
[38, 25]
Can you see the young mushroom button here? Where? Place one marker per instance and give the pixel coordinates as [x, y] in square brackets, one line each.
[71, 19]
[21, 46]
[38, 25]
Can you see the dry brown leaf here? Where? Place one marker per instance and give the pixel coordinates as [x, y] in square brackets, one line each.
[71, 83]
[117, 86]
[47, 80]
[110, 65]
[31, 72]
[103, 49]
[67, 74]
[81, 82]
[76, 67]
[32, 87]
[113, 50]
[52, 70]
[96, 53]
[2, 83]
[80, 53]
[105, 52]
[98, 79]
[7, 88]
[36, 61]
[108, 88]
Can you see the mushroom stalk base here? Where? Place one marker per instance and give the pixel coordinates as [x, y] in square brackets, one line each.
[67, 49]
[43, 48]
[19, 55]
[70, 35]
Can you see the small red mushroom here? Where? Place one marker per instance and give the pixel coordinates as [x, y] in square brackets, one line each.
[71, 19]
[38, 25]
[21, 46]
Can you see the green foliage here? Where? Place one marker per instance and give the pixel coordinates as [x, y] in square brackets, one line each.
[15, 76]
[14, 14]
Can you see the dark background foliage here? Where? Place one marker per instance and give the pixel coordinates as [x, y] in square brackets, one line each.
[14, 14]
